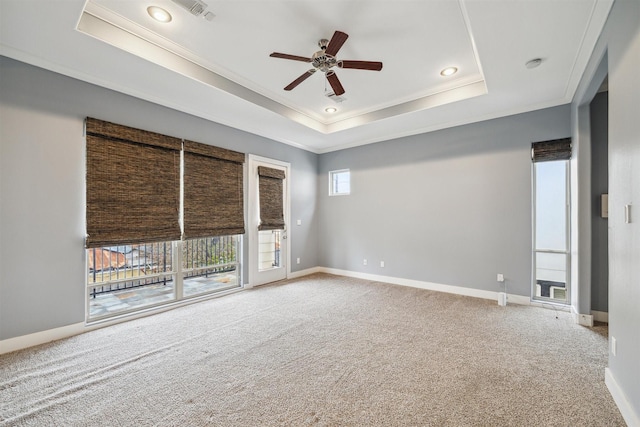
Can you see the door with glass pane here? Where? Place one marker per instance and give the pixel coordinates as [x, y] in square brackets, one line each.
[268, 220]
[551, 255]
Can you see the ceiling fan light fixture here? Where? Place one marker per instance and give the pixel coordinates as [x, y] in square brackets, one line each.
[159, 14]
[449, 71]
[331, 110]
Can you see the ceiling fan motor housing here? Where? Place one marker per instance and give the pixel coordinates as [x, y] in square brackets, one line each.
[322, 61]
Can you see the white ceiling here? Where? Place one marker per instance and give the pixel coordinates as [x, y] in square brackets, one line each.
[221, 70]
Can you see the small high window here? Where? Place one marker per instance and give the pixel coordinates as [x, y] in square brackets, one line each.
[339, 182]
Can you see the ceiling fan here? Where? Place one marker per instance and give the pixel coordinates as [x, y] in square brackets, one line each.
[325, 59]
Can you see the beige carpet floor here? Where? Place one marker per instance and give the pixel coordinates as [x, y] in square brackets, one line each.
[319, 351]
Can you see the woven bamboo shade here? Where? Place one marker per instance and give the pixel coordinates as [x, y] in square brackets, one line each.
[213, 193]
[271, 198]
[133, 185]
[546, 151]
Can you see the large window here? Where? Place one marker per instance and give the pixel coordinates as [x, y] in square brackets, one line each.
[551, 255]
[183, 200]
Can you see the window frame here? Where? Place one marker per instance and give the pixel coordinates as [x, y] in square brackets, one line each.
[567, 238]
[334, 173]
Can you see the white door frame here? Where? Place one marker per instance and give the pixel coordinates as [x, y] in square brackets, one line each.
[254, 220]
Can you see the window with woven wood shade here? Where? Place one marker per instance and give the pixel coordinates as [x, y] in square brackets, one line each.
[213, 193]
[546, 151]
[271, 200]
[133, 185]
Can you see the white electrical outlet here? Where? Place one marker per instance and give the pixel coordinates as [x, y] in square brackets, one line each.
[297, 260]
[364, 262]
[500, 277]
[614, 346]
[299, 222]
[382, 264]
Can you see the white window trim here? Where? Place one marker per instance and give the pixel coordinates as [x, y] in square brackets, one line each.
[331, 174]
[567, 251]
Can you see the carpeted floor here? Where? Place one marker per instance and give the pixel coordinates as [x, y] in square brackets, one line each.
[319, 351]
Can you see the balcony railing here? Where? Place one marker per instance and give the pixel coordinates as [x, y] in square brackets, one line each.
[129, 266]
[203, 257]
[117, 268]
[552, 274]
[125, 279]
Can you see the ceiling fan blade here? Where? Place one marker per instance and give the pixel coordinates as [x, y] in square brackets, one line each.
[335, 83]
[361, 65]
[300, 79]
[287, 56]
[336, 43]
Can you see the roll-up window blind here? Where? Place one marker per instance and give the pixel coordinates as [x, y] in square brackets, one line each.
[213, 193]
[271, 201]
[557, 149]
[133, 185]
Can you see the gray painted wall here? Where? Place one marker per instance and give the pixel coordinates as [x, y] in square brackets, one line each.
[449, 207]
[620, 44]
[42, 202]
[599, 185]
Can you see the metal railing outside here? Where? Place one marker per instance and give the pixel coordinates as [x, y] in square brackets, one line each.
[116, 268]
[211, 255]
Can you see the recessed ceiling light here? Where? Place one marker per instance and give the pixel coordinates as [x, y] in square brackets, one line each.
[533, 63]
[331, 109]
[449, 71]
[159, 14]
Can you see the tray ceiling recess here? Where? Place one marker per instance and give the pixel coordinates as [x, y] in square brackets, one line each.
[229, 50]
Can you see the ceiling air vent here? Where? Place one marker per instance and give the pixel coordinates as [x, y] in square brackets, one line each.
[196, 8]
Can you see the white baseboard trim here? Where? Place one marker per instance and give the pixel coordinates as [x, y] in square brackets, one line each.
[582, 319]
[450, 289]
[24, 341]
[43, 337]
[290, 275]
[301, 273]
[628, 412]
[600, 316]
[519, 299]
